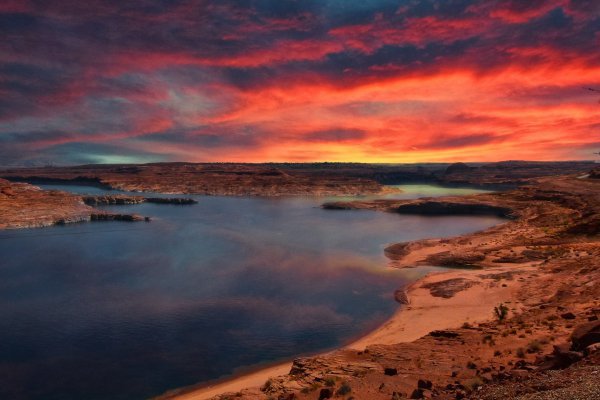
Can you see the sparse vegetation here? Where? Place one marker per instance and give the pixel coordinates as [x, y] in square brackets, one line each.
[329, 381]
[267, 385]
[520, 352]
[501, 312]
[489, 339]
[314, 386]
[534, 347]
[474, 383]
[344, 389]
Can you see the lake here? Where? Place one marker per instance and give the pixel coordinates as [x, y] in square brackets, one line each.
[115, 310]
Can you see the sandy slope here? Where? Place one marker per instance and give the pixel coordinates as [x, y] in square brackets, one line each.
[254, 379]
[427, 313]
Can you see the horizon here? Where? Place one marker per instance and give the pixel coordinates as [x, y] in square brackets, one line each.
[299, 199]
[381, 81]
[590, 161]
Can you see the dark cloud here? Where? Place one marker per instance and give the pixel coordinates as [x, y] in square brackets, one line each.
[177, 71]
[444, 142]
[209, 136]
[335, 135]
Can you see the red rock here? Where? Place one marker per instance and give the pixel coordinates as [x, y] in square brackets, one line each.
[585, 335]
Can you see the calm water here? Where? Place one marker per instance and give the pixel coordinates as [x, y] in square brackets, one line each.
[115, 310]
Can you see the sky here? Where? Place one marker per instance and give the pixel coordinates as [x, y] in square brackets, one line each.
[107, 81]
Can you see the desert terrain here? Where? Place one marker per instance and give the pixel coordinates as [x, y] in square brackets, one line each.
[318, 179]
[515, 315]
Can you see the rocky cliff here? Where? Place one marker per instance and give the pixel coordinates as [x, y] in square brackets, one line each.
[27, 206]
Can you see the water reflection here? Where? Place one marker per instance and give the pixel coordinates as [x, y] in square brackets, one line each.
[126, 311]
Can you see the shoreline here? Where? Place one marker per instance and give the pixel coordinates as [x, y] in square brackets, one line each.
[500, 264]
[425, 312]
[248, 380]
[516, 263]
[408, 323]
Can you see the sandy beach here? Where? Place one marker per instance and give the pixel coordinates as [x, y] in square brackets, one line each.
[427, 313]
[248, 381]
[424, 314]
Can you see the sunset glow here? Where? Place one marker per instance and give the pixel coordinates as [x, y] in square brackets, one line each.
[253, 81]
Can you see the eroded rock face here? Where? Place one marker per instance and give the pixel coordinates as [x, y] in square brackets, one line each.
[27, 206]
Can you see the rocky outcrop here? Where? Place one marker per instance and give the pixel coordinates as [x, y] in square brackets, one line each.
[450, 259]
[397, 251]
[27, 206]
[170, 200]
[112, 200]
[120, 199]
[590, 226]
[448, 288]
[401, 297]
[585, 335]
[118, 217]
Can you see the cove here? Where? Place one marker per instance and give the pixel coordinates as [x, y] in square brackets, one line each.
[113, 310]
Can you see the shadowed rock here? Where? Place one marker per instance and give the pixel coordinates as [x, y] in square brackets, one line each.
[448, 288]
[585, 335]
[451, 208]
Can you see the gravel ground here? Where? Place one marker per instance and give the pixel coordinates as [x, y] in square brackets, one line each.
[578, 382]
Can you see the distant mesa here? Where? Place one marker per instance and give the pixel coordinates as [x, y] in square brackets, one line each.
[458, 167]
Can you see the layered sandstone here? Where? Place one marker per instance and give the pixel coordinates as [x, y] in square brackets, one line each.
[27, 206]
[316, 179]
